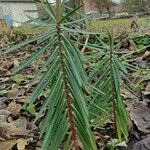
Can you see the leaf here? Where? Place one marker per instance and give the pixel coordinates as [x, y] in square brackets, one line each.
[122, 144]
[142, 144]
[31, 109]
[51, 58]
[14, 108]
[71, 13]
[7, 145]
[33, 57]
[26, 42]
[16, 62]
[3, 92]
[21, 143]
[140, 115]
[9, 129]
[18, 78]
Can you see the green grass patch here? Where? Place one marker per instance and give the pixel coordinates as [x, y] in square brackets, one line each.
[99, 25]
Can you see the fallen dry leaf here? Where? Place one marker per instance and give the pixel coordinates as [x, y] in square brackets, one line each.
[21, 123]
[146, 92]
[21, 143]
[14, 108]
[16, 62]
[148, 87]
[7, 145]
[15, 94]
[127, 94]
[8, 130]
[140, 115]
[146, 55]
[18, 127]
[143, 144]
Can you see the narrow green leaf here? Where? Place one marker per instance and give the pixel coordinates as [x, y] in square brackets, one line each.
[41, 38]
[34, 56]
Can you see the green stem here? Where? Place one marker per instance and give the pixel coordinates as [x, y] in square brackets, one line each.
[112, 83]
[66, 86]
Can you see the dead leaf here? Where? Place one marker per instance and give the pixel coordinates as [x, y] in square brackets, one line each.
[14, 108]
[8, 65]
[18, 127]
[148, 87]
[7, 145]
[21, 123]
[8, 130]
[21, 143]
[4, 79]
[127, 94]
[5, 112]
[22, 99]
[3, 115]
[146, 93]
[3, 118]
[140, 115]
[146, 55]
[132, 45]
[15, 94]
[16, 62]
[2, 106]
[143, 144]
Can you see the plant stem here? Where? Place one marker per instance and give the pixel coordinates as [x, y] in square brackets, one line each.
[66, 86]
[113, 87]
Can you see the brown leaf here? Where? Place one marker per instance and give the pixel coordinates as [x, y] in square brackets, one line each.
[7, 145]
[146, 55]
[146, 92]
[9, 129]
[127, 94]
[18, 127]
[143, 144]
[14, 108]
[4, 79]
[22, 99]
[21, 143]
[15, 94]
[23, 124]
[16, 62]
[140, 115]
[148, 87]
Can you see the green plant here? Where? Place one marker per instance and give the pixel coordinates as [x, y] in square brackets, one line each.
[140, 39]
[66, 113]
[107, 76]
[18, 78]
[113, 144]
[70, 105]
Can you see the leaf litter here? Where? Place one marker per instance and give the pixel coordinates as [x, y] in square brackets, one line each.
[17, 131]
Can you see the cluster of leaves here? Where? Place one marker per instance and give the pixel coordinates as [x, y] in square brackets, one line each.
[75, 102]
[141, 39]
[107, 76]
